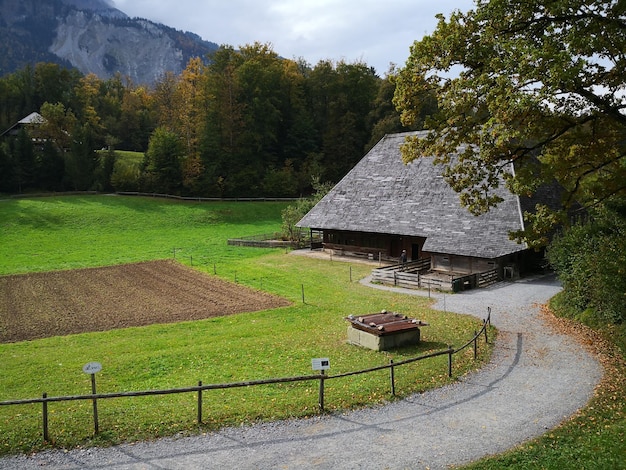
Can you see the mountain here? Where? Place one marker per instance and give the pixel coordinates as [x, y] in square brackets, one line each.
[94, 37]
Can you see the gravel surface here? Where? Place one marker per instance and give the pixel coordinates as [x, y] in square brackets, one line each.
[536, 379]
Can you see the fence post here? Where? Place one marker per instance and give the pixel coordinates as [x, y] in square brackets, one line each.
[485, 328]
[476, 344]
[450, 352]
[392, 378]
[199, 402]
[350, 273]
[302, 287]
[45, 418]
[95, 404]
[321, 397]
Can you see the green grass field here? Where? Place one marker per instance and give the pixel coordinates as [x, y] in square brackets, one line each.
[126, 157]
[73, 232]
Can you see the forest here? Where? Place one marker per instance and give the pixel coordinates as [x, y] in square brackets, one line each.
[244, 123]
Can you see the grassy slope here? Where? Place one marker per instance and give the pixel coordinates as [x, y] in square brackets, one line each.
[70, 232]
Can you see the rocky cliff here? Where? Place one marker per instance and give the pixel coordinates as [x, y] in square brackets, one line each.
[93, 37]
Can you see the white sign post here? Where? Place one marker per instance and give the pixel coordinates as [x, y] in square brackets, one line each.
[321, 364]
[93, 368]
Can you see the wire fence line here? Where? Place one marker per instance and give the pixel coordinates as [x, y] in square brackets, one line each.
[221, 266]
[153, 195]
[200, 388]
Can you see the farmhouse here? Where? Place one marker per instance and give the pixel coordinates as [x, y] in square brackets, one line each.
[383, 206]
[29, 122]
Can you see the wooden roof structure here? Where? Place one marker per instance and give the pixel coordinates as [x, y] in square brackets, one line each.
[33, 119]
[382, 194]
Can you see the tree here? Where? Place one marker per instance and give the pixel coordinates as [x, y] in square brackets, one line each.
[262, 97]
[137, 119]
[293, 213]
[535, 82]
[23, 153]
[6, 170]
[590, 259]
[342, 95]
[191, 104]
[163, 162]
[385, 118]
[50, 167]
[89, 93]
[164, 99]
[105, 174]
[281, 182]
[224, 119]
[53, 83]
[57, 125]
[82, 161]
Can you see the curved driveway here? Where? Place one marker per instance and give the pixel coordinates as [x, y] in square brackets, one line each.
[536, 379]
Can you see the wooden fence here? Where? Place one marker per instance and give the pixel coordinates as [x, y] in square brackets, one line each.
[206, 199]
[273, 240]
[411, 276]
[200, 388]
[402, 275]
[156, 195]
[487, 278]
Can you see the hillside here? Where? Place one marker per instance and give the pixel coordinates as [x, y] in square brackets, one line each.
[93, 37]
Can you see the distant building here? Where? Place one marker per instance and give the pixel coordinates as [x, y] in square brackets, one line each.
[31, 121]
[383, 206]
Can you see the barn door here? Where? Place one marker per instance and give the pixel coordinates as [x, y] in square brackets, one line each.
[415, 251]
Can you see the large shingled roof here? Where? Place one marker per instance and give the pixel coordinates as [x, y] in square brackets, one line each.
[381, 194]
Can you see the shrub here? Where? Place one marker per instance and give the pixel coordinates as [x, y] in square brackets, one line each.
[590, 260]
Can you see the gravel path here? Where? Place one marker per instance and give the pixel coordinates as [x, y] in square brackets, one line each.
[536, 379]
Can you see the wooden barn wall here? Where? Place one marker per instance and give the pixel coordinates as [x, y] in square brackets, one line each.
[390, 246]
[461, 264]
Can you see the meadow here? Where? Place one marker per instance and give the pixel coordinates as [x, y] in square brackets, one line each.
[71, 232]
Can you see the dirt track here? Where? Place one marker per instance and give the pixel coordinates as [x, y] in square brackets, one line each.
[98, 299]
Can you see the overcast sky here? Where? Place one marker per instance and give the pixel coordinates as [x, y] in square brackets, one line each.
[377, 32]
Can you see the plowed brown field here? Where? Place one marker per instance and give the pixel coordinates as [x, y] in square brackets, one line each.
[98, 299]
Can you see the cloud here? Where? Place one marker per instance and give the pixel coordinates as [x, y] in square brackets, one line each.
[373, 31]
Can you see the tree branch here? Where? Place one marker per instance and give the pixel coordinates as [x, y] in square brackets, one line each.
[612, 111]
[523, 26]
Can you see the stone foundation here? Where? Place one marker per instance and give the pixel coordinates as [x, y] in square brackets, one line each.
[382, 343]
